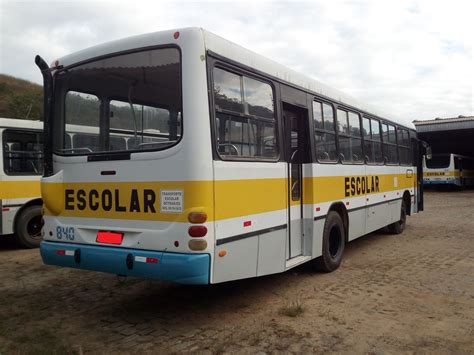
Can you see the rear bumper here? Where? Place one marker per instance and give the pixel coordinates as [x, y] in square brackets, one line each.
[178, 267]
[441, 182]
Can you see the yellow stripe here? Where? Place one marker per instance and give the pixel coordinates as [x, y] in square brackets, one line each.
[197, 196]
[464, 173]
[233, 198]
[332, 188]
[19, 189]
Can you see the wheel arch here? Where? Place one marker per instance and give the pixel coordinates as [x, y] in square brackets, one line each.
[33, 202]
[341, 209]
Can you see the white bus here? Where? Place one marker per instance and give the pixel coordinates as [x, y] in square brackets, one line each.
[448, 169]
[239, 167]
[21, 166]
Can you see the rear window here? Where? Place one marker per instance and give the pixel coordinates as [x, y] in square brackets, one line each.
[438, 162]
[121, 103]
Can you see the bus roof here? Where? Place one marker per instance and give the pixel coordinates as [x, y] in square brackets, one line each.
[232, 51]
[18, 123]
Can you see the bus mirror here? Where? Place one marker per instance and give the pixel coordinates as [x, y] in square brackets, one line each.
[429, 155]
[427, 150]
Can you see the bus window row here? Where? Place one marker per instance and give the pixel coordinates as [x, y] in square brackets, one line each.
[22, 152]
[352, 138]
[245, 127]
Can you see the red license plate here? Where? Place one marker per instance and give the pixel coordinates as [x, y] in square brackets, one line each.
[109, 238]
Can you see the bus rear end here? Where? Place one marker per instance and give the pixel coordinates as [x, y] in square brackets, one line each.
[130, 191]
[440, 170]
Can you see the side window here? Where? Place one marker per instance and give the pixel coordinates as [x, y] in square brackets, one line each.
[457, 163]
[404, 146]
[350, 142]
[324, 132]
[152, 125]
[372, 141]
[22, 152]
[245, 117]
[389, 144]
[86, 141]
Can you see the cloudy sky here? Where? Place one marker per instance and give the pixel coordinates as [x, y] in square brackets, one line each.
[412, 58]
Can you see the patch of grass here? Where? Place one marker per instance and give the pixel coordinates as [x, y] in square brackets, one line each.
[20, 98]
[292, 309]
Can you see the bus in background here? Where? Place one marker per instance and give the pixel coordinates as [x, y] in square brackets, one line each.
[448, 169]
[21, 168]
[239, 167]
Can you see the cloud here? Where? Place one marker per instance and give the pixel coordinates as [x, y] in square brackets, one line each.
[412, 59]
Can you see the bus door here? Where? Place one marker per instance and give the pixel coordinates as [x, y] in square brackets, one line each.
[295, 122]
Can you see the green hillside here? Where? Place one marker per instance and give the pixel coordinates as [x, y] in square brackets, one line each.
[20, 98]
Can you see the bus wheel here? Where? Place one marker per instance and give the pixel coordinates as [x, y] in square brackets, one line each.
[333, 243]
[28, 227]
[399, 227]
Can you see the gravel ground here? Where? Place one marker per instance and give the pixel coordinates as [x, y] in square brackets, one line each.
[411, 293]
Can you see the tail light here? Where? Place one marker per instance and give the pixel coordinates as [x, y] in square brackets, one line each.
[197, 244]
[197, 217]
[197, 231]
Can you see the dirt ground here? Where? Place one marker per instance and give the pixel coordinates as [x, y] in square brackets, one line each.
[412, 293]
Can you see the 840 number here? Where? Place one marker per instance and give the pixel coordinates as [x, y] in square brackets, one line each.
[66, 233]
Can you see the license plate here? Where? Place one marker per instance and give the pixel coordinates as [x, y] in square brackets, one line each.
[109, 238]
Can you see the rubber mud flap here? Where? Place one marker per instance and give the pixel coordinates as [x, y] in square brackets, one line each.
[129, 261]
[77, 256]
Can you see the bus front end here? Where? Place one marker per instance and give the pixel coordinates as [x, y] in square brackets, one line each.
[130, 190]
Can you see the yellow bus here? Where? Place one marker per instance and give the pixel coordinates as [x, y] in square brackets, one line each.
[21, 166]
[234, 167]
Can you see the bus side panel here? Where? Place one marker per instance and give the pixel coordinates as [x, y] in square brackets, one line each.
[9, 211]
[239, 262]
[8, 218]
[271, 252]
[251, 219]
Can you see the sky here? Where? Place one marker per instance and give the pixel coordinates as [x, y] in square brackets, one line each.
[412, 59]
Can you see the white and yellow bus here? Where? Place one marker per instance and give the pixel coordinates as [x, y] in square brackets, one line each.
[234, 166]
[21, 166]
[448, 169]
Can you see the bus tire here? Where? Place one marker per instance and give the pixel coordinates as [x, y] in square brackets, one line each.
[333, 243]
[28, 227]
[399, 227]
